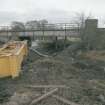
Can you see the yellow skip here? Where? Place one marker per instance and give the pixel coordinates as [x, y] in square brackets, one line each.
[11, 57]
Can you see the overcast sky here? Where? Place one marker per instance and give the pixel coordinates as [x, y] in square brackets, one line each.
[53, 10]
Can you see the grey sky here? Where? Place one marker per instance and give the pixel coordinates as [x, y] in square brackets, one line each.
[53, 10]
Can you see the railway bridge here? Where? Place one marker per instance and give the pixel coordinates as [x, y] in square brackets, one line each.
[42, 33]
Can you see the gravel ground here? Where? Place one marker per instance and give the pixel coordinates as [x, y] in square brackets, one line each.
[84, 77]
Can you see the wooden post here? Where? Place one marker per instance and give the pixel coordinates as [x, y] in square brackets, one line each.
[43, 30]
[44, 96]
[65, 37]
[33, 36]
[56, 42]
[64, 100]
[47, 86]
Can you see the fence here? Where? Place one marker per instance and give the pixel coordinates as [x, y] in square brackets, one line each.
[42, 32]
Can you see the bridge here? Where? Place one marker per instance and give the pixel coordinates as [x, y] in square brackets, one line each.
[46, 32]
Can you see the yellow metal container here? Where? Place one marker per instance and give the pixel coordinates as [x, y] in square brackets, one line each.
[11, 57]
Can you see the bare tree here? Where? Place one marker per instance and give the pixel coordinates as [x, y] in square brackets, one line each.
[17, 25]
[36, 24]
[79, 19]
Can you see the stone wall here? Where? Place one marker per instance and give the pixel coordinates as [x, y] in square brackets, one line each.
[94, 37]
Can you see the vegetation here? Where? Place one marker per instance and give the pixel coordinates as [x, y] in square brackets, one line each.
[56, 46]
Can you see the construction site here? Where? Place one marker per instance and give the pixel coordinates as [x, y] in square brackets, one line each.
[56, 64]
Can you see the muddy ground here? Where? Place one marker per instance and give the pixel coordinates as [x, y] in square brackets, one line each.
[84, 77]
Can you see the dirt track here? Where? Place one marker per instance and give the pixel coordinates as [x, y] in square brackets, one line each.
[84, 77]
